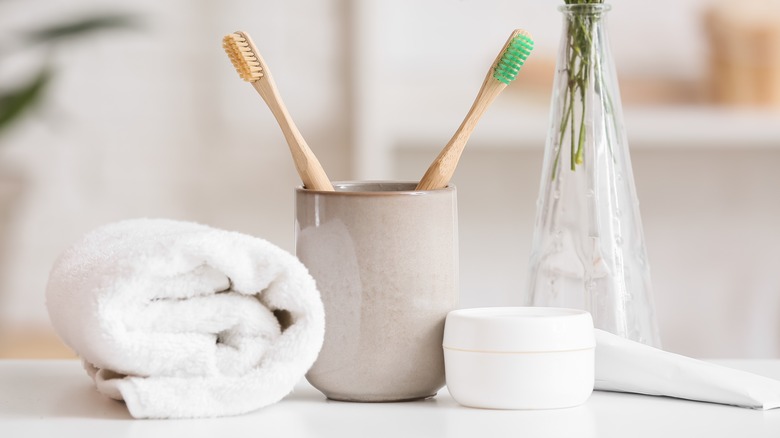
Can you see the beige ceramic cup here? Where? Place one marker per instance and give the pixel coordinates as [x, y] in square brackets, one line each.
[385, 258]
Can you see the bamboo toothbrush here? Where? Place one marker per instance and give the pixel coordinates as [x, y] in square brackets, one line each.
[503, 71]
[252, 68]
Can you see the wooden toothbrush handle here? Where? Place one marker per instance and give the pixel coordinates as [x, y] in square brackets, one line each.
[443, 167]
[309, 169]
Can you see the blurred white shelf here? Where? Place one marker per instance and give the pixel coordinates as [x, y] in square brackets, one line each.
[647, 127]
[707, 127]
[510, 125]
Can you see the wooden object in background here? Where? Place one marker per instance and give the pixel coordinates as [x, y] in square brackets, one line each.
[32, 343]
[744, 40]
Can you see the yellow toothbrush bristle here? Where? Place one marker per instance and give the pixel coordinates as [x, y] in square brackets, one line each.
[241, 54]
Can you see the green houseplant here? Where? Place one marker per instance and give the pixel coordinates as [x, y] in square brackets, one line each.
[18, 99]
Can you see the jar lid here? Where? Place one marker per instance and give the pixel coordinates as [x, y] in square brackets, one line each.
[518, 329]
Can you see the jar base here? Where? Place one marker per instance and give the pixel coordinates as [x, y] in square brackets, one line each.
[347, 399]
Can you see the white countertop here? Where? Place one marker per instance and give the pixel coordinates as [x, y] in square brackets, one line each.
[56, 398]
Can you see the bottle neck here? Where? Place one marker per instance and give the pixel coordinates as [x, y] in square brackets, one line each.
[586, 9]
[584, 29]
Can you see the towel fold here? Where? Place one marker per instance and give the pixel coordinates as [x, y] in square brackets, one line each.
[182, 320]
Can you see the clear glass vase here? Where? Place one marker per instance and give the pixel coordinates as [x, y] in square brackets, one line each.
[588, 249]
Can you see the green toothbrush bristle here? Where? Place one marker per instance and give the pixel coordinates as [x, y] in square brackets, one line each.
[513, 58]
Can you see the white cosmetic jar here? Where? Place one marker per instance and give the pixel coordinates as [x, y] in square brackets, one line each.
[519, 357]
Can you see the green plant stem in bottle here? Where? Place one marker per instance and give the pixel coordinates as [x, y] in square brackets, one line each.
[580, 43]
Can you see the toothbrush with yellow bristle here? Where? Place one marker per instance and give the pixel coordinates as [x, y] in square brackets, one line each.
[252, 68]
[503, 71]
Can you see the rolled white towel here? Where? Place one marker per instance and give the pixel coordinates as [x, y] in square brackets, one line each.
[183, 320]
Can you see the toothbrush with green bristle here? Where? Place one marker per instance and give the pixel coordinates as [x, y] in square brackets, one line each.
[503, 71]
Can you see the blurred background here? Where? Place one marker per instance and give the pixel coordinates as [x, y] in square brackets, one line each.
[136, 112]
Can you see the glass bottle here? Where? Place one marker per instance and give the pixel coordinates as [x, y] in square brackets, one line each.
[588, 249]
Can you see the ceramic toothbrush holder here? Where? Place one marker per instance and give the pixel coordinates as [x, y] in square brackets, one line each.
[385, 258]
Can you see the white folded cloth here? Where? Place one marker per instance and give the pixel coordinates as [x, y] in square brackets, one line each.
[182, 320]
[627, 366]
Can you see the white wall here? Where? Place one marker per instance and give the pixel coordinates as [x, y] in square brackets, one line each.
[156, 123]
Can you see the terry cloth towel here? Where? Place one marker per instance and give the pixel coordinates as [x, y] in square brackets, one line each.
[182, 320]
